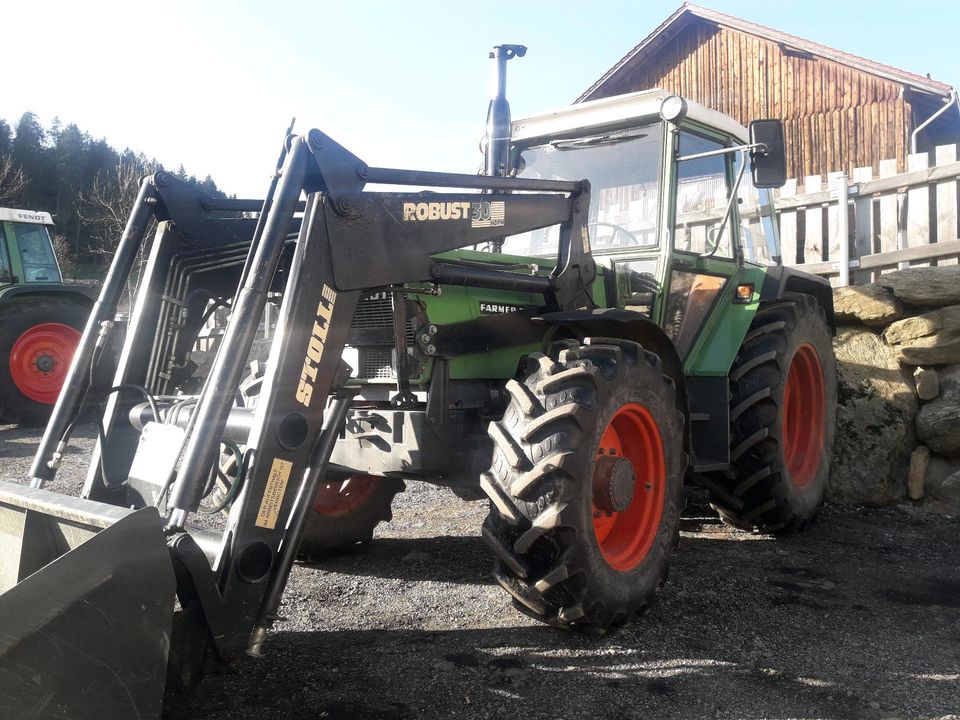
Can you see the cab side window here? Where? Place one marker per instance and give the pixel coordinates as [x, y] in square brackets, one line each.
[702, 193]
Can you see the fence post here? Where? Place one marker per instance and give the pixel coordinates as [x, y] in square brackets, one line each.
[888, 211]
[788, 225]
[863, 223]
[947, 202]
[843, 231]
[918, 219]
[831, 242]
[903, 203]
[813, 247]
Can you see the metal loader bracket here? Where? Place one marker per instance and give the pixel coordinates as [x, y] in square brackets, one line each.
[95, 581]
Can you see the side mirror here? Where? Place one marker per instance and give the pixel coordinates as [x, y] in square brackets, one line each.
[768, 164]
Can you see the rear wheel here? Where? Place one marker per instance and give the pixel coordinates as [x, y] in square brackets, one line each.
[586, 484]
[37, 340]
[346, 512]
[783, 403]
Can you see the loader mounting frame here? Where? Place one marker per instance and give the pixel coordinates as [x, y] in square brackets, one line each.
[349, 240]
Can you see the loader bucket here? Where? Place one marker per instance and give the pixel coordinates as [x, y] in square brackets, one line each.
[86, 608]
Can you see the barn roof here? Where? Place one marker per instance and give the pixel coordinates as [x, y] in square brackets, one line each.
[688, 13]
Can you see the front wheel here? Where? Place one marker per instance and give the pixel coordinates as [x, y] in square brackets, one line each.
[783, 404]
[586, 484]
[346, 512]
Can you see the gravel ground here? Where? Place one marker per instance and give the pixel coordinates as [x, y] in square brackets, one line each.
[856, 618]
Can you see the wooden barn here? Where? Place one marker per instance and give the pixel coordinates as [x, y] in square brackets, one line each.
[839, 111]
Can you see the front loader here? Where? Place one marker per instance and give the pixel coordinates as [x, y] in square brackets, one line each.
[108, 571]
[468, 336]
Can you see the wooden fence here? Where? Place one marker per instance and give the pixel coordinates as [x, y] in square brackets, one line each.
[891, 222]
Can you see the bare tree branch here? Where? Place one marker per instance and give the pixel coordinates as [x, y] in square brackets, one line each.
[61, 248]
[104, 211]
[12, 181]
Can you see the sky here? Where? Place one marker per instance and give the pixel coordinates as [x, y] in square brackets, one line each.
[213, 84]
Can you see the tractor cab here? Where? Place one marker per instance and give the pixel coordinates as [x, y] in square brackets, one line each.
[674, 219]
[26, 251]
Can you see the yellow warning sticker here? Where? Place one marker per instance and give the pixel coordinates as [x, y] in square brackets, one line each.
[273, 495]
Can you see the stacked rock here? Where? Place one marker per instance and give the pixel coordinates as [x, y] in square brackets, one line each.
[898, 354]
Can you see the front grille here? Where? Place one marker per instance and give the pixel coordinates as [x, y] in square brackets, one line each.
[375, 363]
[375, 311]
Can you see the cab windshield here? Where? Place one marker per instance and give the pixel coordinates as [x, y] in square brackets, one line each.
[624, 173]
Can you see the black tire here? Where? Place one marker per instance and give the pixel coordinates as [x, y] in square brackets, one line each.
[540, 484]
[18, 317]
[329, 534]
[767, 490]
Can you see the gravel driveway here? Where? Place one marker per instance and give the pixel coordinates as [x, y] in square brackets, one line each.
[856, 618]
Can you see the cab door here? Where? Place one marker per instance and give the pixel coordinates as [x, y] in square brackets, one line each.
[703, 241]
[712, 293]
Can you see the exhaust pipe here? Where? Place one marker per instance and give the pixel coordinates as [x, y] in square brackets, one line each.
[497, 146]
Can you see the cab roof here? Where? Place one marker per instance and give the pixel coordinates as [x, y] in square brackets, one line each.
[616, 112]
[25, 216]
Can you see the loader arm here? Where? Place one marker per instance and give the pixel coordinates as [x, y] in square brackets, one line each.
[349, 240]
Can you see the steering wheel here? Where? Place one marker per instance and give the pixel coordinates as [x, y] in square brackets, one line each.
[629, 237]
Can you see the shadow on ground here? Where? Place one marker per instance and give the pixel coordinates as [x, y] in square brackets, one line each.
[855, 619]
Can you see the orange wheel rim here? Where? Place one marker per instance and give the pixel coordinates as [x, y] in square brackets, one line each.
[344, 496]
[625, 537]
[804, 416]
[40, 359]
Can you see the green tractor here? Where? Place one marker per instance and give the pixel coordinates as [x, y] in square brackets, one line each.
[598, 318]
[40, 318]
[700, 358]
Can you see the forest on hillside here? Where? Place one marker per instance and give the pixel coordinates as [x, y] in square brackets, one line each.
[87, 185]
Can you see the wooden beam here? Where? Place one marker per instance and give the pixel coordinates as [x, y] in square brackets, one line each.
[876, 187]
[906, 180]
[888, 259]
[921, 252]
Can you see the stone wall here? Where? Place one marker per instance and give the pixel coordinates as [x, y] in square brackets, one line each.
[898, 417]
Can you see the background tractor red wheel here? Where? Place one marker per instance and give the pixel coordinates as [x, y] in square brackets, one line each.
[38, 337]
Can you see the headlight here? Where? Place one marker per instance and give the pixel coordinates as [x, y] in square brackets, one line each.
[673, 109]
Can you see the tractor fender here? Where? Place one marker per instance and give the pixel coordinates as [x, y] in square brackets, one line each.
[79, 294]
[780, 281]
[627, 325]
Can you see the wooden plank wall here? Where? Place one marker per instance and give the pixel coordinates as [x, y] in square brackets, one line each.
[835, 117]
